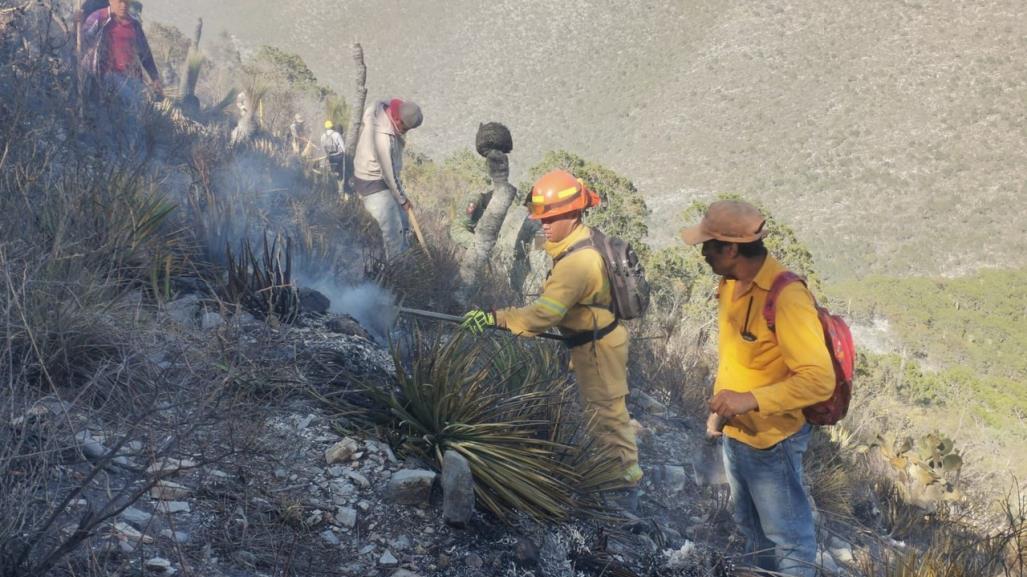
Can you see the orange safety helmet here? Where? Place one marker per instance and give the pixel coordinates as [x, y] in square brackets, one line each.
[559, 192]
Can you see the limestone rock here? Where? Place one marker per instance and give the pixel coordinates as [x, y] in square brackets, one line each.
[159, 566]
[410, 486]
[170, 465]
[211, 320]
[388, 559]
[346, 517]
[126, 532]
[169, 491]
[342, 451]
[184, 310]
[180, 537]
[172, 507]
[135, 517]
[329, 537]
[457, 489]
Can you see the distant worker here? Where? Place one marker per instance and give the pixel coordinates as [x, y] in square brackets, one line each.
[299, 136]
[765, 377]
[577, 298]
[334, 147]
[377, 165]
[116, 50]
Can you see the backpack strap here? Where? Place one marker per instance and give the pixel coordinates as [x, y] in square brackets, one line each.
[581, 244]
[770, 307]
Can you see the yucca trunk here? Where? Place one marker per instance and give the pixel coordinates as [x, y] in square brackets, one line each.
[487, 231]
[357, 110]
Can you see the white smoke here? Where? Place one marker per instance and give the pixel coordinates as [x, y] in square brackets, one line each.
[372, 306]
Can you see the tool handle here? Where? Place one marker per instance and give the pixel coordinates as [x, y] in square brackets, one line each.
[458, 319]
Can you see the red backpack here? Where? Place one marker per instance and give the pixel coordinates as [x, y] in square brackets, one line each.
[839, 344]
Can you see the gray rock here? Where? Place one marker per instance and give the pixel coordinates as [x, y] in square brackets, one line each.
[360, 480]
[303, 422]
[169, 491]
[842, 555]
[457, 489]
[337, 471]
[184, 311]
[312, 301]
[244, 318]
[674, 477]
[159, 566]
[346, 517]
[211, 320]
[180, 537]
[410, 486]
[126, 532]
[342, 451]
[329, 537]
[401, 543]
[404, 573]
[474, 561]
[137, 518]
[367, 549]
[341, 488]
[172, 507]
[95, 450]
[826, 562]
[388, 559]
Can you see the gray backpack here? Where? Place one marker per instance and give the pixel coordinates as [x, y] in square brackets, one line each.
[628, 285]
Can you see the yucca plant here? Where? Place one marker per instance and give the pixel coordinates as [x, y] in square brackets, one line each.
[505, 407]
[263, 285]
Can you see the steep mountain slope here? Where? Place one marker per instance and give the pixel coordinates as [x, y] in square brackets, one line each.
[891, 134]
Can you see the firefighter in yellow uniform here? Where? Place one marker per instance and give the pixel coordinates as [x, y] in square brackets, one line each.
[576, 298]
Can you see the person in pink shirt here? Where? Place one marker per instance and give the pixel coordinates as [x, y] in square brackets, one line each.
[116, 47]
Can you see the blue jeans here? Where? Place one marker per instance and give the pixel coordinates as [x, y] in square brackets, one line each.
[771, 506]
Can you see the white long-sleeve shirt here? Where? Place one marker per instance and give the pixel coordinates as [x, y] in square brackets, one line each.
[379, 154]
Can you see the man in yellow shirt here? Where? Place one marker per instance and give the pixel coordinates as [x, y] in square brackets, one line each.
[764, 379]
[576, 298]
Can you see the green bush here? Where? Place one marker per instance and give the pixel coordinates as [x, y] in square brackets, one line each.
[623, 212]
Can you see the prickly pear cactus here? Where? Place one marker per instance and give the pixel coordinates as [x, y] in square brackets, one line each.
[927, 469]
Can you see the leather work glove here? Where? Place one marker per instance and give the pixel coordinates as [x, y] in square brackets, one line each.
[477, 320]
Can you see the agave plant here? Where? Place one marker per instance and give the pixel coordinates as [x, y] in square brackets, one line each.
[502, 405]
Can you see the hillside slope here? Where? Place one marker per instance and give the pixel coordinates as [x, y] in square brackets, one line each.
[890, 134]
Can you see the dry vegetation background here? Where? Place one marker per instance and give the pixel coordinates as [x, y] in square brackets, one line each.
[889, 133]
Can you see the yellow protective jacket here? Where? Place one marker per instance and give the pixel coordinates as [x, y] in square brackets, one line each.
[576, 298]
[785, 370]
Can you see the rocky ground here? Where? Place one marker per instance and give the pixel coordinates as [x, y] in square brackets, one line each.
[303, 494]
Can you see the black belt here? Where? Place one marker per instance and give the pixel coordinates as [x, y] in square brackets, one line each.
[368, 187]
[578, 339]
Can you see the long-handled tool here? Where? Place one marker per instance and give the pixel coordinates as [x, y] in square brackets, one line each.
[417, 230]
[458, 319]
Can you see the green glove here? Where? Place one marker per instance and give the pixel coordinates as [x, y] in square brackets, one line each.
[476, 321]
